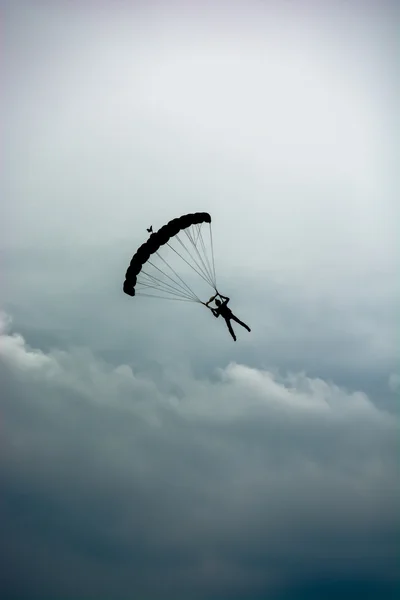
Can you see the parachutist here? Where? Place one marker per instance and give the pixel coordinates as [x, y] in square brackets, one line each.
[150, 230]
[223, 310]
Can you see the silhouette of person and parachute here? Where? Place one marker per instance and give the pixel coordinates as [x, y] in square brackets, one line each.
[155, 270]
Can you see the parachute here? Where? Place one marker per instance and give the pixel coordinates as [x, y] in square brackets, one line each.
[159, 268]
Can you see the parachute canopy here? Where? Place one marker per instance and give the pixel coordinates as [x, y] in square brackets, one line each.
[159, 268]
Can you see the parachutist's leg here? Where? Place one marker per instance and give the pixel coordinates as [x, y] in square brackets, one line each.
[240, 323]
[229, 326]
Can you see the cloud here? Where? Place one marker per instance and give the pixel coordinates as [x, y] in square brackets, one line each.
[250, 482]
[394, 382]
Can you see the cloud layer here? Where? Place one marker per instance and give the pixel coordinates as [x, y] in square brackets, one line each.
[244, 484]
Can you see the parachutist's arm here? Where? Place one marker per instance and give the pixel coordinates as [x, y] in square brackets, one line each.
[225, 298]
[215, 312]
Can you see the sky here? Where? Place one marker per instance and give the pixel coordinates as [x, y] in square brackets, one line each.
[143, 453]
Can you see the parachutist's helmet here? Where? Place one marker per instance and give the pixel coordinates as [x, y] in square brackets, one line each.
[217, 302]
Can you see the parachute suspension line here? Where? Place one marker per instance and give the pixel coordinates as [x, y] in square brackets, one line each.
[192, 234]
[164, 297]
[153, 279]
[197, 299]
[200, 271]
[212, 255]
[202, 267]
[156, 287]
[184, 259]
[205, 271]
[185, 289]
[212, 275]
[165, 287]
[198, 232]
[206, 267]
[177, 296]
[205, 252]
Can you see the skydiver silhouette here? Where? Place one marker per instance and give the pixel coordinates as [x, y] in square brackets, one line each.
[223, 310]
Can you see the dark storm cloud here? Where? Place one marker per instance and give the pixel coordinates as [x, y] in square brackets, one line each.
[236, 486]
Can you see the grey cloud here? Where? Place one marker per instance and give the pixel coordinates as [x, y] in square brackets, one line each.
[66, 296]
[236, 485]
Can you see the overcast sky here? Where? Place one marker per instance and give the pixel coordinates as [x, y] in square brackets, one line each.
[143, 453]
